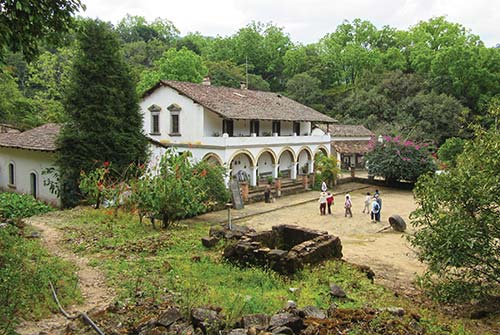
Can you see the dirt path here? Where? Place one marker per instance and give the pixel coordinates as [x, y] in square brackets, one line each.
[387, 253]
[97, 295]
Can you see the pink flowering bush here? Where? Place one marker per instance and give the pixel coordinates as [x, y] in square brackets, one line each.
[395, 159]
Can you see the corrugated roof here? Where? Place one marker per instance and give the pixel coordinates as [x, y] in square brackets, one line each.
[232, 103]
[42, 138]
[347, 130]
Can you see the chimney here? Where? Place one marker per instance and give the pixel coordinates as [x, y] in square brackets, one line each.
[243, 85]
[206, 81]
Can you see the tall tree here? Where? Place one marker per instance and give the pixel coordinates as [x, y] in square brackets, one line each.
[101, 103]
[24, 23]
[182, 65]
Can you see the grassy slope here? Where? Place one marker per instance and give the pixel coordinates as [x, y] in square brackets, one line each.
[25, 270]
[144, 263]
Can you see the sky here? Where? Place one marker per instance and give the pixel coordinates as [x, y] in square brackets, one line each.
[306, 21]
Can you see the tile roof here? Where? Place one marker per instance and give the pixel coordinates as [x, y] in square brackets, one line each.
[232, 103]
[347, 130]
[42, 138]
[351, 147]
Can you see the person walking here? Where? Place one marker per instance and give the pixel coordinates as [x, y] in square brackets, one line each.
[329, 202]
[348, 206]
[267, 193]
[375, 212]
[323, 187]
[322, 203]
[379, 201]
[368, 200]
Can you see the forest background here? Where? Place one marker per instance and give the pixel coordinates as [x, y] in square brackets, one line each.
[426, 84]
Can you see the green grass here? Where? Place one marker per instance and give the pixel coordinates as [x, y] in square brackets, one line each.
[143, 263]
[25, 270]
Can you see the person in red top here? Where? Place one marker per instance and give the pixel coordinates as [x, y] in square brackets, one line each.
[329, 201]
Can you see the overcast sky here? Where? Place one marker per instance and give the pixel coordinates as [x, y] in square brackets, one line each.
[305, 20]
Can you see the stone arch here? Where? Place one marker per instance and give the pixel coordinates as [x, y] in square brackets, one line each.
[294, 157]
[266, 162]
[307, 150]
[321, 149]
[271, 152]
[304, 158]
[241, 164]
[213, 157]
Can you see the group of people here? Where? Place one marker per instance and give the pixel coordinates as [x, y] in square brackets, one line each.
[373, 205]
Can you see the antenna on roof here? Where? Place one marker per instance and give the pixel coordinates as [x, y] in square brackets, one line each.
[246, 71]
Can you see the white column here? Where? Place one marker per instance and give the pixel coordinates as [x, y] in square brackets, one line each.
[275, 170]
[293, 173]
[253, 176]
[310, 163]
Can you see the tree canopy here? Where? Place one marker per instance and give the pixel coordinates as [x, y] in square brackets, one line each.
[103, 120]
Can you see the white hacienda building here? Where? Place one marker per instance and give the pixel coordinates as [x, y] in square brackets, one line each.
[24, 157]
[254, 134]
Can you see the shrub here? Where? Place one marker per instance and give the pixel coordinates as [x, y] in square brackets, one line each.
[394, 160]
[14, 205]
[328, 169]
[457, 217]
[179, 190]
[450, 150]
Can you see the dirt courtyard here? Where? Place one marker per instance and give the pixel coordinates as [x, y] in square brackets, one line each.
[388, 253]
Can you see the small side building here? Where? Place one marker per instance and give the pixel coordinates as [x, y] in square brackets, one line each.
[24, 157]
[349, 143]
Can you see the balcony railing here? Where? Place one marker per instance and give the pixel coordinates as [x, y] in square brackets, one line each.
[263, 140]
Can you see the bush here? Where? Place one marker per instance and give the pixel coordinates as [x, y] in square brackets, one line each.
[179, 190]
[16, 206]
[25, 271]
[450, 150]
[395, 160]
[327, 170]
[457, 217]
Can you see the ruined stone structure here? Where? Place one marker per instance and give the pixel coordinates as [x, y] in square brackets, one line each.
[284, 249]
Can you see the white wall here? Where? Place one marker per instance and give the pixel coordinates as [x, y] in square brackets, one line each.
[26, 162]
[265, 163]
[190, 117]
[212, 123]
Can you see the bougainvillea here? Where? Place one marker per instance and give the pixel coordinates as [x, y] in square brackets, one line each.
[395, 159]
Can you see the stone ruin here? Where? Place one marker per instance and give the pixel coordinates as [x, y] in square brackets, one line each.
[284, 249]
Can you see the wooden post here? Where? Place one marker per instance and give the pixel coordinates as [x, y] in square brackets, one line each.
[244, 191]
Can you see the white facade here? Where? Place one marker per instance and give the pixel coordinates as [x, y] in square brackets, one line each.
[27, 167]
[246, 156]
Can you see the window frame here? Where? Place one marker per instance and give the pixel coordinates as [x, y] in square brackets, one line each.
[276, 127]
[11, 174]
[296, 128]
[255, 127]
[226, 127]
[173, 131]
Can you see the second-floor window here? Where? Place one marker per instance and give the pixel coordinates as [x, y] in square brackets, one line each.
[155, 119]
[228, 127]
[254, 127]
[276, 127]
[174, 124]
[155, 123]
[296, 128]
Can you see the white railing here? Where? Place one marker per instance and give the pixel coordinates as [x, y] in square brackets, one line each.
[246, 141]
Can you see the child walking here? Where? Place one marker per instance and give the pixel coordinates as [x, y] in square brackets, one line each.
[367, 203]
[329, 202]
[348, 205]
[322, 203]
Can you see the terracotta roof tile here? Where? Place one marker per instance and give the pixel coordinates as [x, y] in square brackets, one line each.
[232, 103]
[347, 130]
[42, 138]
[351, 147]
